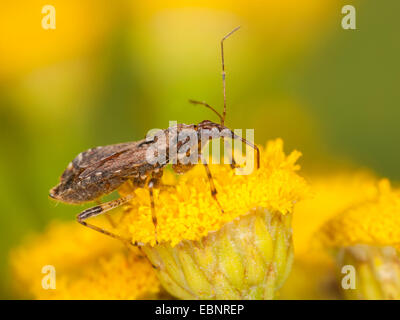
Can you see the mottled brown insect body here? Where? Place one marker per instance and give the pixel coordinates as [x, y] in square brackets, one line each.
[99, 171]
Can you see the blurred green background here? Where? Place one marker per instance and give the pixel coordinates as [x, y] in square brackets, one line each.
[111, 71]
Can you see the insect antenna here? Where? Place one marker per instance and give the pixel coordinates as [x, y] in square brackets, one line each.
[207, 106]
[223, 70]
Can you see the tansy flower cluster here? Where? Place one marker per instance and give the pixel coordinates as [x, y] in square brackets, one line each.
[196, 251]
[331, 194]
[87, 266]
[355, 224]
[373, 222]
[367, 237]
[244, 252]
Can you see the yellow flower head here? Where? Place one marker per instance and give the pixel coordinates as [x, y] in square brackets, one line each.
[331, 194]
[375, 222]
[244, 252]
[367, 237]
[87, 265]
[190, 213]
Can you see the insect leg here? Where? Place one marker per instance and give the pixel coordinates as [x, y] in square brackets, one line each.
[212, 185]
[153, 210]
[100, 209]
[227, 146]
[152, 183]
[235, 136]
[108, 216]
[233, 164]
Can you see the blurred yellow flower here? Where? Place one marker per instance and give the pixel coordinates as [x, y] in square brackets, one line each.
[376, 273]
[354, 216]
[243, 253]
[375, 222]
[367, 237]
[332, 194]
[25, 45]
[88, 265]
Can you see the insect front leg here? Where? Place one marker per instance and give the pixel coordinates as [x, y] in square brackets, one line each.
[100, 209]
[228, 148]
[182, 168]
[153, 182]
[209, 176]
[257, 150]
[212, 185]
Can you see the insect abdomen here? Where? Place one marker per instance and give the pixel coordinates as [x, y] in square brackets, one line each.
[87, 190]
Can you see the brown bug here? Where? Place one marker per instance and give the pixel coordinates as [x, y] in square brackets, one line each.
[99, 171]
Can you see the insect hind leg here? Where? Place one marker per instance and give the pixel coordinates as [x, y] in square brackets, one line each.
[100, 209]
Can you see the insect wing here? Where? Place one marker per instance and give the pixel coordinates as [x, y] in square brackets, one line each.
[122, 163]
